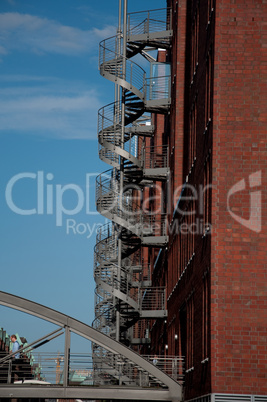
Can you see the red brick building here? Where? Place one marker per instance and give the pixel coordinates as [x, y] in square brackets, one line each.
[212, 261]
[215, 272]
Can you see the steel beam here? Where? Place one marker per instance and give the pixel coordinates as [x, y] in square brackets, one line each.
[84, 392]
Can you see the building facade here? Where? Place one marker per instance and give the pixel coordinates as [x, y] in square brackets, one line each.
[181, 269]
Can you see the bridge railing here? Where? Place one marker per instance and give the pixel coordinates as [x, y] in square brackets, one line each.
[99, 368]
[111, 369]
[172, 365]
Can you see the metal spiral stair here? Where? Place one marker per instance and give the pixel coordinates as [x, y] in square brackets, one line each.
[106, 256]
[116, 139]
[137, 298]
[120, 128]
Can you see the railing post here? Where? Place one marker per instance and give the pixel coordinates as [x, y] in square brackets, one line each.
[103, 124]
[167, 157]
[144, 87]
[100, 193]
[175, 369]
[143, 158]
[9, 371]
[66, 357]
[120, 372]
[147, 22]
[128, 25]
[127, 283]
[169, 10]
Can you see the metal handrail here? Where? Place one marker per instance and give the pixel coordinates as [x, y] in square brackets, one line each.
[123, 206]
[110, 61]
[172, 365]
[148, 297]
[158, 157]
[145, 22]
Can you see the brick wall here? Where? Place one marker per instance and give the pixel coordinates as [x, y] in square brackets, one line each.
[188, 255]
[238, 269]
[216, 279]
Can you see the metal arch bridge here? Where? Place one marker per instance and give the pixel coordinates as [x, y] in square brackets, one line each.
[170, 390]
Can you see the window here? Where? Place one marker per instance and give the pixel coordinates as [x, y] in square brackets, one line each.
[192, 227]
[194, 39]
[186, 234]
[192, 135]
[190, 333]
[207, 195]
[208, 92]
[205, 316]
[210, 11]
[182, 245]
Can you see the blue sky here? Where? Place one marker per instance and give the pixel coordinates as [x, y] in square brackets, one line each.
[51, 90]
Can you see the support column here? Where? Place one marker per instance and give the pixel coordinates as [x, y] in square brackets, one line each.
[123, 91]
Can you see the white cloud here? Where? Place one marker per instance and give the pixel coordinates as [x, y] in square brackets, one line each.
[26, 32]
[50, 110]
[12, 78]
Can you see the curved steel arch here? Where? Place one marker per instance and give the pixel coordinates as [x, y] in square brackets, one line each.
[174, 392]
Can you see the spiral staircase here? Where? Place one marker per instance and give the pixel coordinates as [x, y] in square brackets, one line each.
[123, 283]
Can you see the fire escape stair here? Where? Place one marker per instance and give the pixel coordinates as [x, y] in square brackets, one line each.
[134, 224]
[119, 126]
[125, 290]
